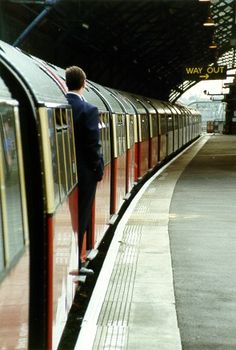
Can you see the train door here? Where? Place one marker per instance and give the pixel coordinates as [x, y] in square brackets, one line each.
[14, 239]
[153, 132]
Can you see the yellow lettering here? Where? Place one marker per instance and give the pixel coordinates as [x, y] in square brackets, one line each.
[210, 70]
[190, 70]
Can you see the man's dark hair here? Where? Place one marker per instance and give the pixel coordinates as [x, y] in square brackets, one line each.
[75, 77]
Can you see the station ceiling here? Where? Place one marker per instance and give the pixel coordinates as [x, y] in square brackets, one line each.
[133, 45]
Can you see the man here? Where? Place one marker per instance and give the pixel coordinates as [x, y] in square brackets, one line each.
[89, 159]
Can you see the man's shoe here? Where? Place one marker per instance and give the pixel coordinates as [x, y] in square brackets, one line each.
[85, 271]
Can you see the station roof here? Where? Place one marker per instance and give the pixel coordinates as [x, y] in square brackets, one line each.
[134, 45]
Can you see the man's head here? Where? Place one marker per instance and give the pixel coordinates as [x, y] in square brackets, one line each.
[75, 78]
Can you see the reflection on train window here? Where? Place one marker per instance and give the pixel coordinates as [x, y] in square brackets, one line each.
[61, 159]
[52, 136]
[105, 137]
[131, 130]
[12, 184]
[66, 140]
[163, 128]
[170, 123]
[154, 125]
[72, 147]
[144, 127]
[1, 242]
[121, 138]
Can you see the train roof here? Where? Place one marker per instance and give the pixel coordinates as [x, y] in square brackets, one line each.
[41, 85]
[111, 102]
[125, 103]
[136, 104]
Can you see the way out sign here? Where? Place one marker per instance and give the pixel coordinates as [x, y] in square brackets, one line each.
[205, 73]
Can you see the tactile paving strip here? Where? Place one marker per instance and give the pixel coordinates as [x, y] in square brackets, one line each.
[113, 322]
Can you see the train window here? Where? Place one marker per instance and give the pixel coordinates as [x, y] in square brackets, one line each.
[121, 138]
[1, 242]
[170, 123]
[163, 126]
[102, 130]
[52, 137]
[176, 122]
[66, 140]
[130, 130]
[154, 125]
[61, 154]
[106, 141]
[11, 180]
[72, 147]
[145, 127]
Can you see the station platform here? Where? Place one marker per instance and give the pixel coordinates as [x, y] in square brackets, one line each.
[168, 281]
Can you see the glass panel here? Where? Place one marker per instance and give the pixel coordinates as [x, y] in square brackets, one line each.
[1, 241]
[144, 127]
[65, 133]
[131, 130]
[154, 125]
[72, 148]
[121, 139]
[163, 124]
[170, 123]
[12, 185]
[52, 135]
[106, 148]
[61, 160]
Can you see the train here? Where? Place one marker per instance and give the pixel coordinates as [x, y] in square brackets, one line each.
[38, 185]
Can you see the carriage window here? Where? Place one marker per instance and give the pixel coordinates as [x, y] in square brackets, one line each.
[121, 140]
[72, 147]
[154, 125]
[65, 133]
[12, 183]
[144, 127]
[105, 131]
[60, 152]
[170, 123]
[176, 121]
[52, 136]
[163, 126]
[131, 130]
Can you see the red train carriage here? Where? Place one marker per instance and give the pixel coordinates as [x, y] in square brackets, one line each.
[49, 165]
[131, 140]
[142, 155]
[162, 129]
[153, 132]
[38, 193]
[14, 254]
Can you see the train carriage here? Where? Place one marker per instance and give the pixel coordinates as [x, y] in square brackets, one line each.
[49, 165]
[142, 155]
[131, 140]
[153, 132]
[170, 128]
[184, 115]
[38, 186]
[162, 129]
[14, 254]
